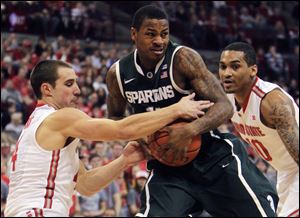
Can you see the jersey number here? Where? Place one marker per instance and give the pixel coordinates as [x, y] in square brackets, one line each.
[260, 148]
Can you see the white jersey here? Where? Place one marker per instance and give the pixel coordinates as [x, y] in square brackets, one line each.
[41, 179]
[267, 142]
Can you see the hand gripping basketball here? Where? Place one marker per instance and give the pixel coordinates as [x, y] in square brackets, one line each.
[173, 155]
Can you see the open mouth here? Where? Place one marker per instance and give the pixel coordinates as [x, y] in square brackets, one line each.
[227, 83]
[158, 51]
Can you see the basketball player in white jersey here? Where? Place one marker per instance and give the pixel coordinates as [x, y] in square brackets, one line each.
[267, 118]
[45, 165]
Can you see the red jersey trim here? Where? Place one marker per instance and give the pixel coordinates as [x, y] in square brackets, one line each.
[40, 104]
[51, 179]
[248, 97]
[294, 214]
[258, 93]
[38, 212]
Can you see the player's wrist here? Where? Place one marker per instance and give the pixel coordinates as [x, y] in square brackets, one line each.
[176, 110]
[123, 162]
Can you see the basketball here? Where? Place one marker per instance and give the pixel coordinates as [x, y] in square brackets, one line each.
[161, 138]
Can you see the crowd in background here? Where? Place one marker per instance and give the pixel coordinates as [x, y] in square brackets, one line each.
[92, 59]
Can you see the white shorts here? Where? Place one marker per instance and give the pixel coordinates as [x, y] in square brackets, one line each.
[288, 192]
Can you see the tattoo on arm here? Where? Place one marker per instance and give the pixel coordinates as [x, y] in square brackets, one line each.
[190, 64]
[283, 118]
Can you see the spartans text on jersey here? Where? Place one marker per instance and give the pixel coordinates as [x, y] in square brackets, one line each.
[151, 95]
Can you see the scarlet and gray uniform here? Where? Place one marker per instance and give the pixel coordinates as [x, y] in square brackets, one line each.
[41, 182]
[269, 145]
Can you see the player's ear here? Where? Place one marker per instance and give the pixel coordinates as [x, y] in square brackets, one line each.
[253, 69]
[46, 89]
[133, 34]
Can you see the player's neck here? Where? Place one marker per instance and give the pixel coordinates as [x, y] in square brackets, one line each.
[242, 95]
[146, 65]
[44, 101]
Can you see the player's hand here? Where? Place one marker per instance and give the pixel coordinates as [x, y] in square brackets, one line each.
[145, 147]
[133, 153]
[190, 109]
[179, 139]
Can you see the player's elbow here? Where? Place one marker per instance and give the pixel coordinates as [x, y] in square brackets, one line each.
[85, 191]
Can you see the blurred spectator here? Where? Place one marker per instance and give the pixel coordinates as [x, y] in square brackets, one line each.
[95, 205]
[4, 176]
[4, 193]
[6, 111]
[102, 150]
[15, 126]
[294, 64]
[134, 193]
[275, 63]
[20, 80]
[10, 94]
[113, 198]
[117, 149]
[97, 26]
[123, 187]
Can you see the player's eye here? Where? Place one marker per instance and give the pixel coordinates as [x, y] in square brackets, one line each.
[164, 34]
[69, 84]
[235, 67]
[222, 66]
[150, 34]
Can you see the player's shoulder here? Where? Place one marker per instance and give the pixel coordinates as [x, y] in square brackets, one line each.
[276, 96]
[185, 51]
[274, 102]
[65, 116]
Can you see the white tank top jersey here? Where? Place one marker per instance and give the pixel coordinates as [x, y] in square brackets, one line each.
[268, 144]
[265, 140]
[39, 178]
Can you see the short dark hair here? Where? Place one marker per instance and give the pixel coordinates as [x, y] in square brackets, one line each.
[147, 12]
[45, 72]
[250, 55]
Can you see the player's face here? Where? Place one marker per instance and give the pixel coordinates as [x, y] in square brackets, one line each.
[234, 72]
[66, 91]
[152, 38]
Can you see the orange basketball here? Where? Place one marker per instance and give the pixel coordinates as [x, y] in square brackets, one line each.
[161, 138]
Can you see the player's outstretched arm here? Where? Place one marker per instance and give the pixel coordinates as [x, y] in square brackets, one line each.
[71, 122]
[278, 112]
[91, 181]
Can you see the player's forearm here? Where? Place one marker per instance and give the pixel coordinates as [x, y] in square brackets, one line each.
[219, 113]
[290, 138]
[98, 178]
[143, 124]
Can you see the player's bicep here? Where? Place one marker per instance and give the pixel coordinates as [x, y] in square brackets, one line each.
[96, 129]
[279, 112]
[203, 82]
[116, 103]
[74, 123]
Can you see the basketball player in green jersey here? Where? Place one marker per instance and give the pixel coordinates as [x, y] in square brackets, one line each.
[220, 179]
